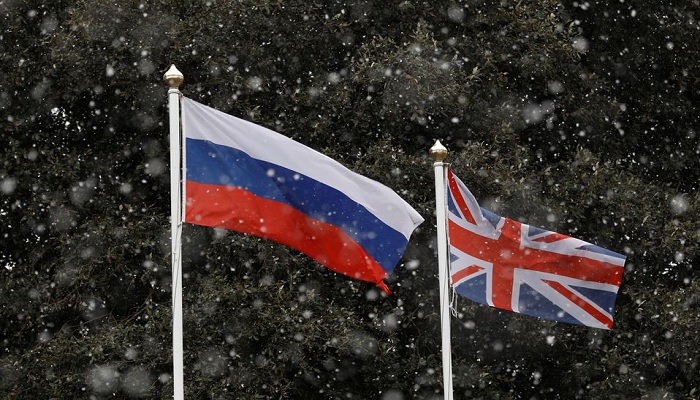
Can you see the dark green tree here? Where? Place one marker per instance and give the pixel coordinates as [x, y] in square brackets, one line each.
[573, 116]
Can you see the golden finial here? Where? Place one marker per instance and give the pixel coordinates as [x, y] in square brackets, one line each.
[173, 78]
[438, 152]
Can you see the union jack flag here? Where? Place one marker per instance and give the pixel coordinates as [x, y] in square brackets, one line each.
[517, 267]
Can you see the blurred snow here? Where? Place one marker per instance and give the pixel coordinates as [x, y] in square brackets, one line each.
[104, 379]
[8, 185]
[679, 204]
[136, 382]
[392, 395]
[212, 363]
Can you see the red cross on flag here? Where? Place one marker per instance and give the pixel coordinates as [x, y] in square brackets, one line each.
[517, 267]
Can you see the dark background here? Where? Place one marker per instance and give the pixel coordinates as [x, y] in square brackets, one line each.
[580, 117]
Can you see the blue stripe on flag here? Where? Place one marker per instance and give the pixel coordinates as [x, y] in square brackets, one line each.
[533, 230]
[531, 302]
[600, 250]
[214, 164]
[451, 206]
[491, 217]
[602, 298]
[474, 289]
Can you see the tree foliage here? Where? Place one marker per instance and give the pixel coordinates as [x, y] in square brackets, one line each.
[574, 116]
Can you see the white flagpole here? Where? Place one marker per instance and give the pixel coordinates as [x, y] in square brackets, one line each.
[438, 152]
[174, 78]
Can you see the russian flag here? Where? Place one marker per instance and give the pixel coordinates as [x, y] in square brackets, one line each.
[243, 177]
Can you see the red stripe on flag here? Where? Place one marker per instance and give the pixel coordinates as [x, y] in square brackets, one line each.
[239, 210]
[457, 196]
[572, 297]
[506, 253]
[457, 276]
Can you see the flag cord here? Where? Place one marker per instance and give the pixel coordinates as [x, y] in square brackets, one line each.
[453, 302]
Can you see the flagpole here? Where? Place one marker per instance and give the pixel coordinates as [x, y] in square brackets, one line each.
[439, 153]
[174, 78]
